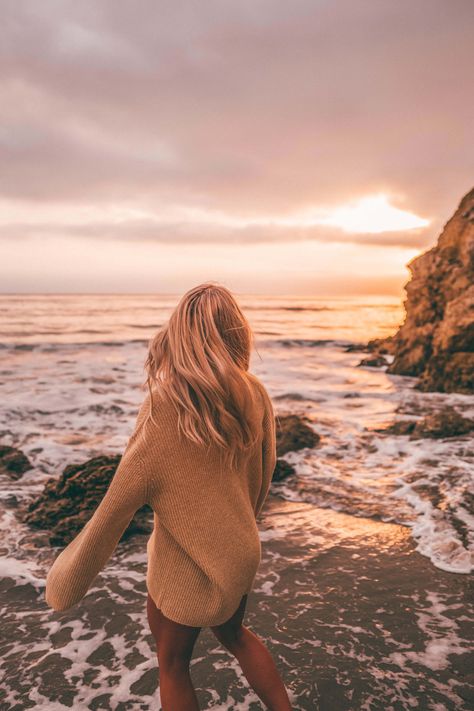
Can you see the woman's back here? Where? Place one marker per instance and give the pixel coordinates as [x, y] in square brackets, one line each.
[205, 529]
[204, 551]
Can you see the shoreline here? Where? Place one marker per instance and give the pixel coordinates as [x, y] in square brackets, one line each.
[355, 617]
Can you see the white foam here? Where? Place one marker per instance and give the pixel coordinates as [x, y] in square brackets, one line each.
[22, 571]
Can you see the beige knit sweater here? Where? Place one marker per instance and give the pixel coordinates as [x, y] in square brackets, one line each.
[204, 551]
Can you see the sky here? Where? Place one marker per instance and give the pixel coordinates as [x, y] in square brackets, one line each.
[310, 147]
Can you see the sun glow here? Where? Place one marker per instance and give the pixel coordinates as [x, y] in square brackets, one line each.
[372, 214]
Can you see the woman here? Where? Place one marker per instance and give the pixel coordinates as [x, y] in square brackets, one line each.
[202, 455]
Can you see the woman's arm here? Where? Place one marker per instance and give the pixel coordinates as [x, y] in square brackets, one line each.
[76, 567]
[269, 455]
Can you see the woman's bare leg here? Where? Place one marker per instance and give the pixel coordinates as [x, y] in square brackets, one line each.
[175, 644]
[255, 660]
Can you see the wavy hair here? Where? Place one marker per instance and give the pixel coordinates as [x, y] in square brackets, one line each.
[200, 358]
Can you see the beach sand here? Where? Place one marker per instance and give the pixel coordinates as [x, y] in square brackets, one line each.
[354, 617]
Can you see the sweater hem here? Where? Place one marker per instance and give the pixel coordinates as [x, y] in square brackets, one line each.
[188, 622]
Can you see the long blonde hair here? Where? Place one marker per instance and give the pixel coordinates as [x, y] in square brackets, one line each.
[200, 358]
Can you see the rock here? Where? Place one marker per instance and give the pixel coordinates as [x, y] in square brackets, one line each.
[449, 372]
[355, 347]
[66, 504]
[382, 345]
[400, 427]
[377, 361]
[13, 462]
[292, 434]
[436, 340]
[282, 470]
[446, 422]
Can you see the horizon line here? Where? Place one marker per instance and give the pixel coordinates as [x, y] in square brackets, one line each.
[180, 293]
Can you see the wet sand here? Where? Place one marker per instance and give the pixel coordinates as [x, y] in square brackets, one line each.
[355, 618]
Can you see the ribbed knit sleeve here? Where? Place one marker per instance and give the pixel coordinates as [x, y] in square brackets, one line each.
[76, 567]
[269, 455]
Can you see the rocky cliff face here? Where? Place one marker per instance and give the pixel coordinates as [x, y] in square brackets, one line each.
[436, 340]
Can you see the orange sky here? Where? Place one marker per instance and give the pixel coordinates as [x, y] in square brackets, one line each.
[309, 147]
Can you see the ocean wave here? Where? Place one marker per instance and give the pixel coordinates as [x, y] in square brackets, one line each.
[70, 346]
[250, 307]
[306, 342]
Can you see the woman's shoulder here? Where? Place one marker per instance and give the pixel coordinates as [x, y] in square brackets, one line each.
[155, 405]
[259, 386]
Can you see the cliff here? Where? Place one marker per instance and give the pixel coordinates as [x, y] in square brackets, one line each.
[436, 340]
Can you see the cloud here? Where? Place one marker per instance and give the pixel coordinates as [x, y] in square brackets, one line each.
[211, 233]
[265, 105]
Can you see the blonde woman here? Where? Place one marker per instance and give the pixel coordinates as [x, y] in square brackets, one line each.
[202, 456]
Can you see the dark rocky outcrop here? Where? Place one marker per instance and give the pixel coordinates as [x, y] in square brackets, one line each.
[282, 470]
[13, 462]
[443, 423]
[399, 427]
[375, 361]
[446, 422]
[379, 346]
[66, 504]
[292, 434]
[436, 340]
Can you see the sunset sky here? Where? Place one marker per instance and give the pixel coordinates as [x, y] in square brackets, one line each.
[304, 147]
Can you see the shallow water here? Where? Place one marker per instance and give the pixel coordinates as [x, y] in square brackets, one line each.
[353, 617]
[72, 366]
